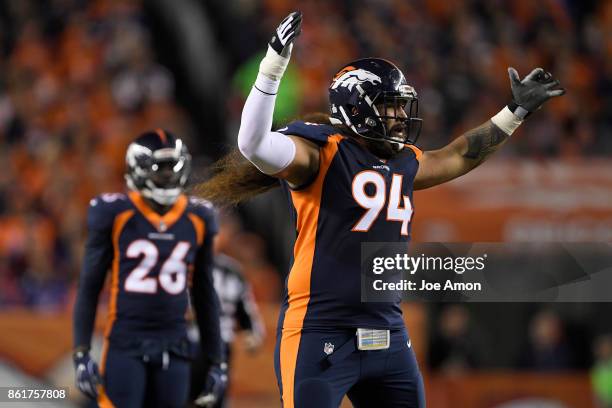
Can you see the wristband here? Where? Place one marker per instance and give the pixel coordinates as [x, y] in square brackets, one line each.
[273, 65]
[506, 120]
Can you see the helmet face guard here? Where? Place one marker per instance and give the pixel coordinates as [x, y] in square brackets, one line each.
[158, 166]
[402, 108]
[368, 93]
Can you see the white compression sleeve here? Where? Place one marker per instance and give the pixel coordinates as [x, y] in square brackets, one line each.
[270, 152]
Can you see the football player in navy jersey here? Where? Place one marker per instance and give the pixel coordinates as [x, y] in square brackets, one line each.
[349, 177]
[238, 312]
[157, 244]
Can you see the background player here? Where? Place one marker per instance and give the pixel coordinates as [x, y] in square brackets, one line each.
[350, 180]
[238, 312]
[157, 242]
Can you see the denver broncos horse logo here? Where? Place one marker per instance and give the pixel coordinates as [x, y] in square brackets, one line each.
[349, 77]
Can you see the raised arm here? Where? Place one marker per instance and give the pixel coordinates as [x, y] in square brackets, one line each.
[273, 153]
[477, 145]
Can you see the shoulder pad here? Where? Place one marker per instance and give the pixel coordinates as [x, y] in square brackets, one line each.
[417, 152]
[206, 211]
[104, 208]
[315, 132]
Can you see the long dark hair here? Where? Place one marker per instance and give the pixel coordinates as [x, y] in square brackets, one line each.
[234, 179]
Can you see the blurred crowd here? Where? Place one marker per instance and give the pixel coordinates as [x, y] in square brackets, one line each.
[77, 81]
[462, 338]
[456, 54]
[460, 342]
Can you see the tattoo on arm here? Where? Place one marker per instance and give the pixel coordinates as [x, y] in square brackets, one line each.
[483, 141]
[460, 156]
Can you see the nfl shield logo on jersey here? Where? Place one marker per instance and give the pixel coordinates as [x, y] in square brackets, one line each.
[328, 348]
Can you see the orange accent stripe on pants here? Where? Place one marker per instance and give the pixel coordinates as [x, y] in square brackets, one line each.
[103, 400]
[103, 357]
[307, 203]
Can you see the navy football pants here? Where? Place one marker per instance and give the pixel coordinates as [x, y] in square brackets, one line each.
[379, 378]
[131, 382]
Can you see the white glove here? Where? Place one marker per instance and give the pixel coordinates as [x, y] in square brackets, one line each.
[276, 60]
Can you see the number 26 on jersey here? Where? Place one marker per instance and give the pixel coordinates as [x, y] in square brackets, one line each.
[172, 274]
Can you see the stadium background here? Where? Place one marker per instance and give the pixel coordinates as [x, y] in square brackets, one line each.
[79, 79]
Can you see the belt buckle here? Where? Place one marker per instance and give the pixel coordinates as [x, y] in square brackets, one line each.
[372, 339]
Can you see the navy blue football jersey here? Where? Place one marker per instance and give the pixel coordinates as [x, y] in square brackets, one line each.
[355, 197]
[238, 307]
[152, 259]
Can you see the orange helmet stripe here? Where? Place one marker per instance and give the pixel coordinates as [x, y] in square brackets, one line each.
[344, 71]
[162, 135]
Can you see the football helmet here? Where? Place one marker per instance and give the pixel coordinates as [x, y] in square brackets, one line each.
[158, 166]
[361, 94]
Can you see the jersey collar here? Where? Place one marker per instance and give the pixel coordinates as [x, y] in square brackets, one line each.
[160, 222]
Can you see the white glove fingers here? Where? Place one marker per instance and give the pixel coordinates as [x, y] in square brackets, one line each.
[284, 22]
[290, 30]
[288, 23]
[283, 28]
[292, 36]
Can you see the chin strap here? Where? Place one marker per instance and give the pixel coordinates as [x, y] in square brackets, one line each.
[396, 146]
